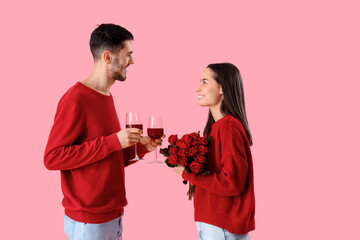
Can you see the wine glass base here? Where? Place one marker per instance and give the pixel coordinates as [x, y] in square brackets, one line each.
[136, 159]
[156, 161]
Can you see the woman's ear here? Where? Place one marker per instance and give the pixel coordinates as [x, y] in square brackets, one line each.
[221, 91]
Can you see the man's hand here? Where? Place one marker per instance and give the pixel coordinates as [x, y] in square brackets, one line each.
[129, 136]
[151, 144]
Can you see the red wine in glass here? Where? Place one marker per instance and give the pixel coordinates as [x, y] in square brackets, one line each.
[133, 120]
[139, 126]
[155, 133]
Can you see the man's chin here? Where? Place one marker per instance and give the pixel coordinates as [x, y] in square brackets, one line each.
[120, 78]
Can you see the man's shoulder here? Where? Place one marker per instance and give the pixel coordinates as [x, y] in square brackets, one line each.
[74, 93]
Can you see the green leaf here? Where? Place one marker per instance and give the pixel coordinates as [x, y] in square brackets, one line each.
[188, 170]
[168, 164]
[205, 173]
[165, 152]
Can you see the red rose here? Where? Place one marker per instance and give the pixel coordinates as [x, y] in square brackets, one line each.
[183, 161]
[173, 151]
[195, 144]
[182, 152]
[181, 144]
[194, 136]
[173, 159]
[202, 141]
[202, 150]
[187, 138]
[196, 167]
[172, 139]
[200, 159]
[192, 152]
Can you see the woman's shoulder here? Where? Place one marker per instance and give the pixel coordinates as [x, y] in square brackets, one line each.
[231, 121]
[231, 125]
[231, 131]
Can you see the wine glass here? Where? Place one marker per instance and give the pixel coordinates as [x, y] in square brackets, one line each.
[155, 131]
[133, 120]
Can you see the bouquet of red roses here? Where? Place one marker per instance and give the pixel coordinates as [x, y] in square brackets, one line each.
[189, 152]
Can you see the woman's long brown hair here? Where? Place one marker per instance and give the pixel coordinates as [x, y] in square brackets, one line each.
[229, 78]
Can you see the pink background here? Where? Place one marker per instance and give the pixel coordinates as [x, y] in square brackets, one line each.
[300, 66]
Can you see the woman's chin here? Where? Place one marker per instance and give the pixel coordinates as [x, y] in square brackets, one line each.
[202, 104]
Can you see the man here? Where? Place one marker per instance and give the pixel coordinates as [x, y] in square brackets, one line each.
[87, 145]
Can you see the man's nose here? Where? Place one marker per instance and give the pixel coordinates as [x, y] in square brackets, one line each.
[131, 61]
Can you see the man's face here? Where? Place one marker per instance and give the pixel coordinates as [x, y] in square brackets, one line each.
[121, 61]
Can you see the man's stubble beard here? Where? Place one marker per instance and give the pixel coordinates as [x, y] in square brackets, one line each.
[115, 74]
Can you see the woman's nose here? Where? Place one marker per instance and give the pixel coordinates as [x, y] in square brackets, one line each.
[197, 89]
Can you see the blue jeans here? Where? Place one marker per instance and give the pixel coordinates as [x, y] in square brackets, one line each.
[111, 230]
[211, 232]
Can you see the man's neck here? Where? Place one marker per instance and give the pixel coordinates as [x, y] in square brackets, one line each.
[99, 81]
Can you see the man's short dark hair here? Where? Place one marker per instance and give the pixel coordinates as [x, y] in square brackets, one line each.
[108, 37]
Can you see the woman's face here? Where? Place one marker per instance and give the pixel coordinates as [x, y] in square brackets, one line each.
[210, 92]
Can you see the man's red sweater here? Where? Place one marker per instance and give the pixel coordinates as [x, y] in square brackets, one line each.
[84, 146]
[225, 198]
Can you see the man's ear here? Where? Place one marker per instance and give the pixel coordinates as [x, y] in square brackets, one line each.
[107, 56]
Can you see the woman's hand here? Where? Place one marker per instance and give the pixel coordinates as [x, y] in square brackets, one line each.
[151, 144]
[179, 169]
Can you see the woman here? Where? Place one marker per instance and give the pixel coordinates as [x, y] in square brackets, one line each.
[224, 200]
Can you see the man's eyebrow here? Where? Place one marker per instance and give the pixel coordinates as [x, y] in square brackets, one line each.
[130, 52]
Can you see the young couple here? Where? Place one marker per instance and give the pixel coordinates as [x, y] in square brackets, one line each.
[88, 146]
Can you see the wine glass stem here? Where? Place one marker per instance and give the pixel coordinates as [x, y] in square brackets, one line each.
[155, 154]
[136, 156]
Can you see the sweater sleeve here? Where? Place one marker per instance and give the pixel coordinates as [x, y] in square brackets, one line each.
[63, 152]
[231, 179]
[129, 153]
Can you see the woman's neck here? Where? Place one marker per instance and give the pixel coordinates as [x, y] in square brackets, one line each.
[216, 112]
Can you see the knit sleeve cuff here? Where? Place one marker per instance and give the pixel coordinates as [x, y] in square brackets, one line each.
[142, 150]
[188, 176]
[113, 142]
